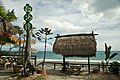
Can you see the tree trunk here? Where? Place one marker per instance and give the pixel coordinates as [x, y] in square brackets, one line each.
[10, 49]
[44, 52]
[19, 47]
[28, 47]
[23, 46]
[27, 51]
[106, 66]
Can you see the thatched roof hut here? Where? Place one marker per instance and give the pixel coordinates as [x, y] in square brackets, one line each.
[81, 45]
[75, 45]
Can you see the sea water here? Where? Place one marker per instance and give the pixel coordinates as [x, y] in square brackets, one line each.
[100, 55]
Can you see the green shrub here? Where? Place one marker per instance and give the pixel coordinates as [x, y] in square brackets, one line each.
[20, 60]
[114, 67]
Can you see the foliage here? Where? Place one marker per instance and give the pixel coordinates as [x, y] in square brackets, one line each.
[43, 34]
[4, 53]
[10, 16]
[7, 15]
[20, 60]
[20, 30]
[103, 65]
[2, 12]
[114, 67]
[109, 56]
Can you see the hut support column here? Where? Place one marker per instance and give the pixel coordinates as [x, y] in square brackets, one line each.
[64, 63]
[35, 60]
[89, 64]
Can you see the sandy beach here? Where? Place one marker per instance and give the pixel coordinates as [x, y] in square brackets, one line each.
[56, 74]
[83, 75]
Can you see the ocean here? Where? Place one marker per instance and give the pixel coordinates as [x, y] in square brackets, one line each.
[100, 55]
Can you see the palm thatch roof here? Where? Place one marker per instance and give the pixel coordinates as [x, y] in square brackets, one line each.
[75, 45]
[6, 26]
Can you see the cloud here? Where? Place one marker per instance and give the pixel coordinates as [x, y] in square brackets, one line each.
[105, 5]
[110, 9]
[62, 27]
[40, 46]
[73, 16]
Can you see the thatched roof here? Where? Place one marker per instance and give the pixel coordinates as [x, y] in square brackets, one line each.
[6, 26]
[75, 45]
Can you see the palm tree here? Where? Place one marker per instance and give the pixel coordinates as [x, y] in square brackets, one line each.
[6, 17]
[5, 20]
[10, 16]
[2, 11]
[20, 30]
[43, 33]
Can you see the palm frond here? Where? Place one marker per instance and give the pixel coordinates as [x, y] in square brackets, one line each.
[49, 38]
[46, 29]
[113, 55]
[36, 34]
[49, 30]
[41, 31]
[106, 48]
[39, 38]
[50, 33]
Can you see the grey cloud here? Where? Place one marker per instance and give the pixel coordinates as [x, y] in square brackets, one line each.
[56, 7]
[110, 9]
[104, 5]
[106, 26]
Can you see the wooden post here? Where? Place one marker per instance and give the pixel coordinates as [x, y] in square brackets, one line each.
[64, 63]
[54, 66]
[93, 32]
[99, 66]
[89, 64]
[35, 60]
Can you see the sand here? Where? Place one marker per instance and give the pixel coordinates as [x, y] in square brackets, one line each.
[83, 75]
[56, 74]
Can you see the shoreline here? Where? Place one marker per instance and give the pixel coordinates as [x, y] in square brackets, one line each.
[60, 60]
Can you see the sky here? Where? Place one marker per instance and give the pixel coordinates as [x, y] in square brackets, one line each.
[73, 17]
